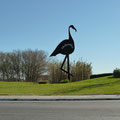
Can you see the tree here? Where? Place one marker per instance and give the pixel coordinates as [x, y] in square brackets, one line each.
[19, 65]
[33, 64]
[2, 65]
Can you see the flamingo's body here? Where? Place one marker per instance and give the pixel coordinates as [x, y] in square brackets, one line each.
[66, 47]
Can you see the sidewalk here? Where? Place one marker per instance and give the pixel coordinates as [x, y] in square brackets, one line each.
[58, 97]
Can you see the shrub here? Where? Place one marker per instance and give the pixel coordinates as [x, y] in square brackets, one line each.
[80, 70]
[43, 81]
[116, 73]
[64, 81]
[55, 74]
[100, 75]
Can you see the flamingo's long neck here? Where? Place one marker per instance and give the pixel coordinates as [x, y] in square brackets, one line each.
[70, 37]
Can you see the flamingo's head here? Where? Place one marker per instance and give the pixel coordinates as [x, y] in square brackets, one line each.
[71, 26]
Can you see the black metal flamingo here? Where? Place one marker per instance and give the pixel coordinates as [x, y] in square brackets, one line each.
[66, 47]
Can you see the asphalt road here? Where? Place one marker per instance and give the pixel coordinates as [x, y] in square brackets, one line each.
[82, 110]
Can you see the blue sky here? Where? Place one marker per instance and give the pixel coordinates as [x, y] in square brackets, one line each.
[43, 24]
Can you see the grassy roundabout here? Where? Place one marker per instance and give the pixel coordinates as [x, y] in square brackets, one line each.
[103, 85]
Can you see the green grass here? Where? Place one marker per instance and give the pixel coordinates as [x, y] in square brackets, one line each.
[103, 85]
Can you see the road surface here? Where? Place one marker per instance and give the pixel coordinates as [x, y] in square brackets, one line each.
[81, 110]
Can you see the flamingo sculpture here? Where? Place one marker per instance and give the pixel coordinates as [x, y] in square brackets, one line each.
[66, 47]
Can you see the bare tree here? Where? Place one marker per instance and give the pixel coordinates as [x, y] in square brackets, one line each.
[2, 65]
[27, 65]
[5, 66]
[15, 59]
[33, 64]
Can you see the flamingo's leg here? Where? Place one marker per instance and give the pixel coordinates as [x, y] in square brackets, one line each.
[63, 63]
[67, 65]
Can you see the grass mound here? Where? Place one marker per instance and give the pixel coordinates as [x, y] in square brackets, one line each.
[103, 85]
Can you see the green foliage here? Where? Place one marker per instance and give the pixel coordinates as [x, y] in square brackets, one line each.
[116, 73]
[43, 81]
[64, 81]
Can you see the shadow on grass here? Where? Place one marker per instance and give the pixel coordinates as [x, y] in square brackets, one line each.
[79, 88]
[110, 77]
[113, 77]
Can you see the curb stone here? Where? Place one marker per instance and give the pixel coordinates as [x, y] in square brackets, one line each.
[58, 97]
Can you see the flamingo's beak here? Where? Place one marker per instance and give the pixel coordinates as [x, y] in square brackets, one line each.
[75, 30]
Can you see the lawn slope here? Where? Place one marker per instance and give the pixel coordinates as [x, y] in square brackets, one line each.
[103, 85]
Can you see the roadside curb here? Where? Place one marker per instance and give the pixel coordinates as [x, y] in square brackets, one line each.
[60, 98]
